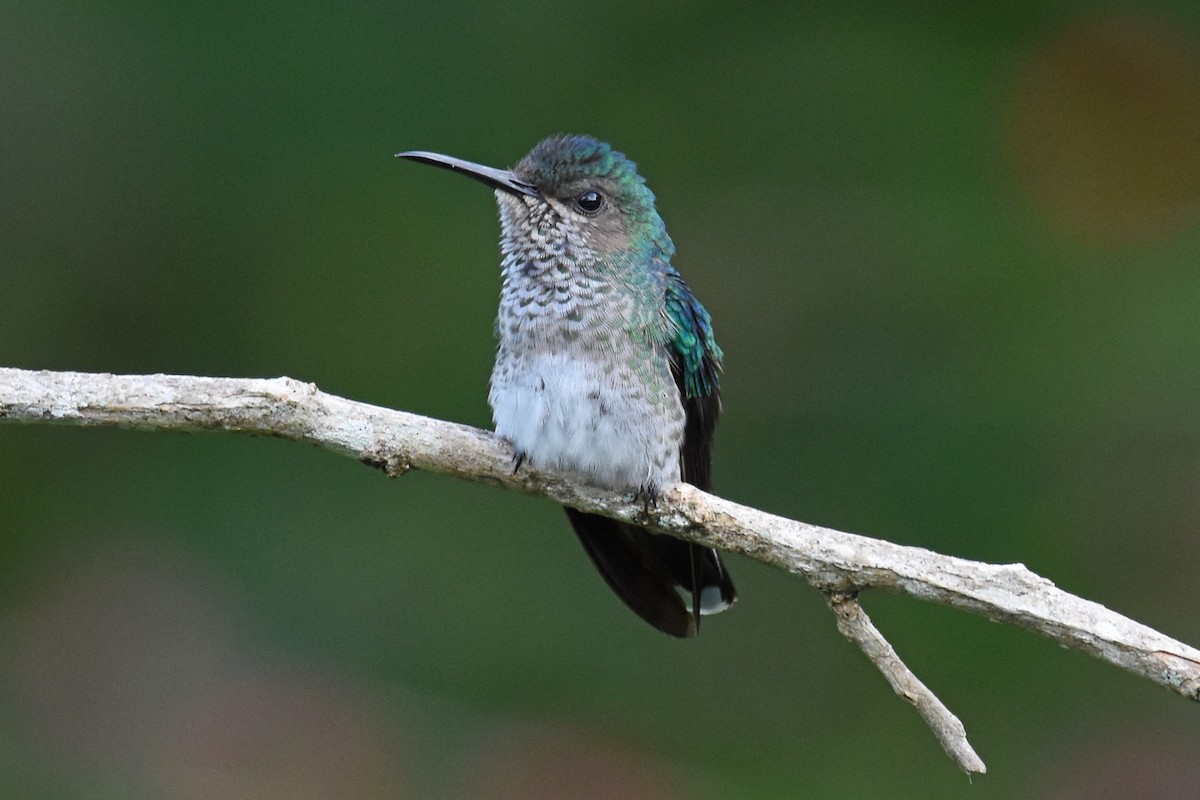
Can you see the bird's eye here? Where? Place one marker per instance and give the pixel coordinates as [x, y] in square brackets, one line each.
[589, 202]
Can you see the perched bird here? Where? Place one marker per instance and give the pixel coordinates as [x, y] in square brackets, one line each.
[607, 367]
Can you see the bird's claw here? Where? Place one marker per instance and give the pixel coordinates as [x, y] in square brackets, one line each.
[647, 496]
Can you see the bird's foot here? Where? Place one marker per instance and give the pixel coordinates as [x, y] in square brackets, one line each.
[647, 496]
[518, 460]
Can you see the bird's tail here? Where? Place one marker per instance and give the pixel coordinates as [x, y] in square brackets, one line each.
[666, 581]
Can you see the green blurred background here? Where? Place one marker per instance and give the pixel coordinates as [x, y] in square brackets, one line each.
[953, 257]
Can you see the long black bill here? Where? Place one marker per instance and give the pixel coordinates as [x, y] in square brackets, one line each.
[496, 178]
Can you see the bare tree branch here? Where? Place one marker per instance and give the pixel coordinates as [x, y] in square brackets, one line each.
[855, 625]
[832, 561]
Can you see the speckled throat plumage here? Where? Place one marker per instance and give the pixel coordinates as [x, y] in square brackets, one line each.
[606, 365]
[582, 380]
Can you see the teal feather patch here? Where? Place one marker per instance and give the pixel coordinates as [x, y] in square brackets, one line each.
[692, 338]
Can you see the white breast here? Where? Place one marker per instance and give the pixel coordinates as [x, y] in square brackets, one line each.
[600, 418]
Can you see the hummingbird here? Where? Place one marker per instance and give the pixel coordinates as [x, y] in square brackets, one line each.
[606, 366]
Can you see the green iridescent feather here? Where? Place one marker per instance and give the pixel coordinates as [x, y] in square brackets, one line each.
[692, 338]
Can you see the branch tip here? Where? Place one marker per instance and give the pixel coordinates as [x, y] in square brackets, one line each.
[855, 625]
[835, 562]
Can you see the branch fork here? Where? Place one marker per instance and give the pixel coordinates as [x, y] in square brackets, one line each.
[839, 564]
